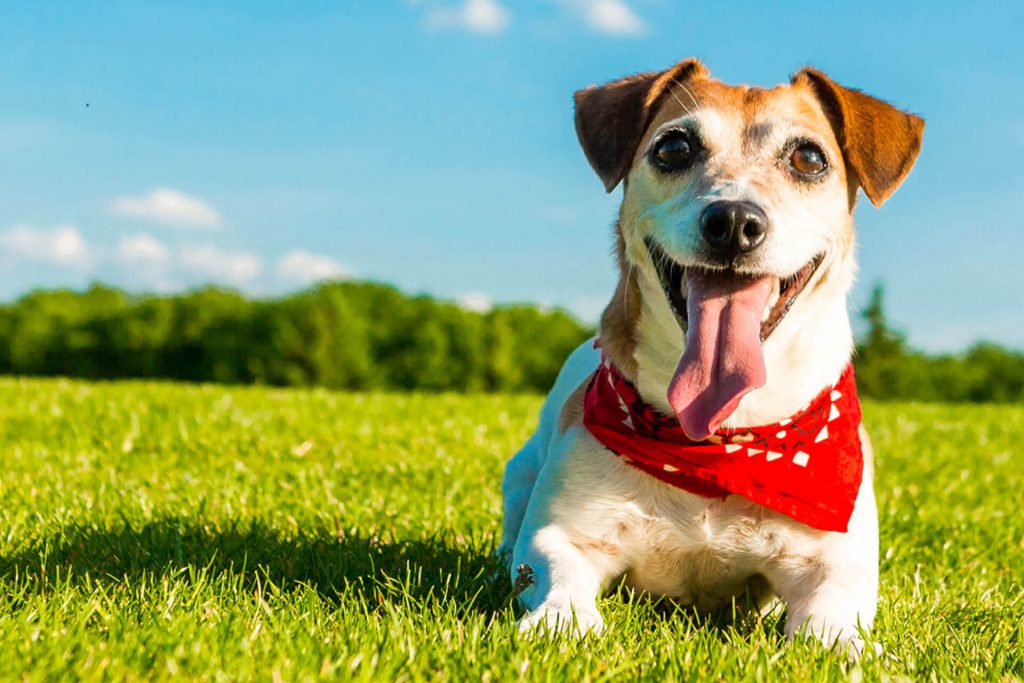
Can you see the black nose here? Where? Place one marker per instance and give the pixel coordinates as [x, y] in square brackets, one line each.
[733, 228]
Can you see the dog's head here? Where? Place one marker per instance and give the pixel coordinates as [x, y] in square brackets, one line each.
[739, 199]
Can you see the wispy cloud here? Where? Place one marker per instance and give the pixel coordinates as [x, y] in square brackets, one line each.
[147, 261]
[166, 206]
[303, 267]
[143, 249]
[62, 245]
[143, 260]
[213, 264]
[477, 16]
[476, 302]
[611, 17]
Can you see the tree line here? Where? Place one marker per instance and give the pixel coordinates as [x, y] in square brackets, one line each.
[889, 368]
[344, 335]
[361, 336]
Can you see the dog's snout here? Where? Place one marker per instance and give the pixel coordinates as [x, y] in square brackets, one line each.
[733, 228]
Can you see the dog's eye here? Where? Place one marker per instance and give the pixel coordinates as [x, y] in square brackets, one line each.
[807, 159]
[674, 152]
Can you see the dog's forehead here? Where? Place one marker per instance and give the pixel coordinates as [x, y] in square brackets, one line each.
[747, 115]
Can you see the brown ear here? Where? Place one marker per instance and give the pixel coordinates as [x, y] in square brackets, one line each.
[611, 118]
[879, 141]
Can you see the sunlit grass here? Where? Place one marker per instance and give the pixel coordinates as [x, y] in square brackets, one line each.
[155, 531]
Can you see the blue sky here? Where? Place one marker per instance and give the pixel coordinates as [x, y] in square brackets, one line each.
[429, 143]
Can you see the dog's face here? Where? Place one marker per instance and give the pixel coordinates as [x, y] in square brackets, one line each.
[738, 199]
[748, 180]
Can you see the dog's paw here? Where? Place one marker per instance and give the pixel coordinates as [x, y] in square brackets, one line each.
[551, 620]
[847, 640]
[856, 647]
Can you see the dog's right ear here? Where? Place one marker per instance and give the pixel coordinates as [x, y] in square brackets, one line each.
[611, 118]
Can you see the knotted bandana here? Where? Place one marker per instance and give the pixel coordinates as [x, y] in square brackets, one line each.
[808, 467]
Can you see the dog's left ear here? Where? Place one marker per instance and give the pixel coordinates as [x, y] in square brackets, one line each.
[879, 141]
[611, 118]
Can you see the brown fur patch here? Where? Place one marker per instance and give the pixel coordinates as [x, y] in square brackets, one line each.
[600, 546]
[621, 317]
[611, 119]
[756, 133]
[752, 104]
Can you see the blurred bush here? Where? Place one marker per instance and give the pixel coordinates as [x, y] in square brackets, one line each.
[887, 368]
[345, 335]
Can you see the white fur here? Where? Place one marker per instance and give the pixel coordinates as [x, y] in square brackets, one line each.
[577, 517]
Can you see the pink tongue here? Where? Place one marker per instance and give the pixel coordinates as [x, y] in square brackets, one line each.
[722, 360]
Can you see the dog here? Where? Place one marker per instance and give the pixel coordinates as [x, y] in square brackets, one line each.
[651, 463]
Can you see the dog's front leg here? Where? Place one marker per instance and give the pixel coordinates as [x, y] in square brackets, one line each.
[836, 607]
[558, 569]
[833, 596]
[559, 581]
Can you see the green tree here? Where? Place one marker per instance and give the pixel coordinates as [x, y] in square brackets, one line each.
[882, 363]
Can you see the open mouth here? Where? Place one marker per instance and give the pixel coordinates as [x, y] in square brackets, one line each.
[672, 275]
[726, 317]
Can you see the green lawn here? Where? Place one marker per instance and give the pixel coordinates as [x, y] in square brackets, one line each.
[155, 531]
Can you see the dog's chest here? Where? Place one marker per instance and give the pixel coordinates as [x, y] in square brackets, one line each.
[669, 542]
[700, 551]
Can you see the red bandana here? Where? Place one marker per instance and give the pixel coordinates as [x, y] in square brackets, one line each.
[808, 467]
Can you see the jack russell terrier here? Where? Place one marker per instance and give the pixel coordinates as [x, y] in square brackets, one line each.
[708, 443]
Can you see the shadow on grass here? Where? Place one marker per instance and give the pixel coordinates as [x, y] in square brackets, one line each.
[739, 616]
[381, 570]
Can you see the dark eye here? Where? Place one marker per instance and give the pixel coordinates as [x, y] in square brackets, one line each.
[675, 151]
[807, 159]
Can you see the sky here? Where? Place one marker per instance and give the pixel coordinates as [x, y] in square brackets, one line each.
[159, 146]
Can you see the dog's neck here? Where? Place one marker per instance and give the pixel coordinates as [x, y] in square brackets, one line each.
[807, 351]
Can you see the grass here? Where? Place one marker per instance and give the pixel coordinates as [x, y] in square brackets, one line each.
[154, 531]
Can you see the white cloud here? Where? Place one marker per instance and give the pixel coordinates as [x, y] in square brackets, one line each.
[168, 207]
[305, 267]
[612, 17]
[217, 265]
[62, 245]
[148, 261]
[477, 16]
[143, 249]
[476, 302]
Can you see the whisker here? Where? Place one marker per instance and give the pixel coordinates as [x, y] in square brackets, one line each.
[689, 93]
[676, 98]
[631, 267]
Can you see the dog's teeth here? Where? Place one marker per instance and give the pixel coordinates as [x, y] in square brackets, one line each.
[772, 300]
